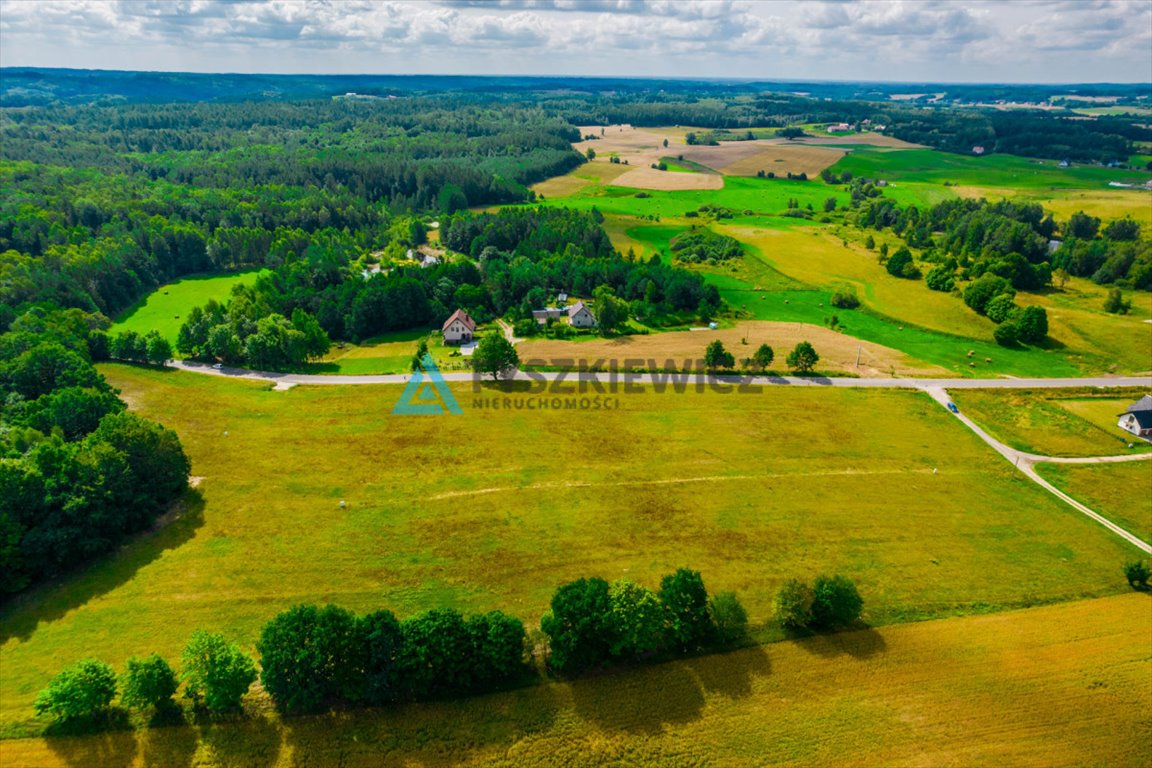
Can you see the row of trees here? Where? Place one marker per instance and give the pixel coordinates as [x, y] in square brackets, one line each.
[77, 473]
[802, 359]
[313, 658]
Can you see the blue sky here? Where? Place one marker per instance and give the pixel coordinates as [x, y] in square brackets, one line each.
[914, 40]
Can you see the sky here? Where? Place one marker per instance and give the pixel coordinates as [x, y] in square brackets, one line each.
[1046, 41]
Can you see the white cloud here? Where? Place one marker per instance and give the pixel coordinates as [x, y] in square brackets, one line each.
[833, 39]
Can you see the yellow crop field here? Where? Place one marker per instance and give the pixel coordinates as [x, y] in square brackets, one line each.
[1063, 685]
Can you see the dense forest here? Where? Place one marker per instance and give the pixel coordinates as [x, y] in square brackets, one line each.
[77, 473]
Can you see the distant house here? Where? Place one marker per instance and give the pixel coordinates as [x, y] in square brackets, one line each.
[459, 328]
[429, 261]
[542, 316]
[562, 298]
[977, 150]
[839, 128]
[1138, 418]
[1065, 164]
[579, 316]
[1054, 245]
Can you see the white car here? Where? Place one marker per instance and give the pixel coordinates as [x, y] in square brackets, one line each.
[218, 366]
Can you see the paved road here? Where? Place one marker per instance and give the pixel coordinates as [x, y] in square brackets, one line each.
[690, 379]
[1026, 462]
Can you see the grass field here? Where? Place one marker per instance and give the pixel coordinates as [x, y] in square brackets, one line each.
[1054, 423]
[1062, 685]
[1121, 492]
[163, 309]
[495, 509]
[389, 353]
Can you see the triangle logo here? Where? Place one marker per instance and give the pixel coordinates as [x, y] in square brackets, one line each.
[427, 393]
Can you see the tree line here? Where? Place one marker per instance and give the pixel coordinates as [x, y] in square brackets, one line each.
[78, 474]
[313, 658]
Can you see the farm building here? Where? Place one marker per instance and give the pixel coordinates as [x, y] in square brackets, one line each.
[1137, 419]
[579, 316]
[542, 316]
[459, 328]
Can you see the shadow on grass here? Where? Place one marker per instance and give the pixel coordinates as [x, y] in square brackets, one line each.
[646, 701]
[861, 643]
[250, 741]
[439, 733]
[49, 602]
[107, 740]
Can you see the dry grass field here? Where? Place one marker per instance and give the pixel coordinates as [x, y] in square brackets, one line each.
[747, 158]
[1063, 685]
[837, 351]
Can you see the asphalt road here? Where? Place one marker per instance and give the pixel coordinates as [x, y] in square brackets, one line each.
[691, 378]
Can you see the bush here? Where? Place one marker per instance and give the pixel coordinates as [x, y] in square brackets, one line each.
[638, 620]
[1000, 308]
[900, 264]
[985, 288]
[82, 690]
[729, 616]
[1115, 304]
[310, 656]
[835, 602]
[794, 605]
[1007, 334]
[686, 601]
[579, 625]
[148, 682]
[1032, 324]
[803, 358]
[1137, 573]
[217, 673]
[715, 356]
[941, 278]
[845, 298]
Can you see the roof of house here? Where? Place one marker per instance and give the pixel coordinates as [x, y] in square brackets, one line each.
[1143, 418]
[1143, 405]
[463, 317]
[575, 309]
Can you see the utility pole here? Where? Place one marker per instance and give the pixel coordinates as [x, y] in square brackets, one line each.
[858, 351]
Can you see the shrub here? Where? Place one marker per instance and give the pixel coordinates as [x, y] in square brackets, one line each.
[309, 656]
[729, 616]
[835, 602]
[803, 358]
[686, 601]
[794, 605]
[941, 278]
[1007, 334]
[985, 288]
[1115, 303]
[638, 619]
[715, 356]
[1137, 573]
[1000, 308]
[900, 264]
[82, 690]
[217, 673]
[846, 298]
[148, 682]
[1032, 324]
[579, 625]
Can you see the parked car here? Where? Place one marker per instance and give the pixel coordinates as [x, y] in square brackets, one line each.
[952, 407]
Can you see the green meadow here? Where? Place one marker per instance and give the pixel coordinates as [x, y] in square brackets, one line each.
[495, 508]
[164, 309]
[1055, 422]
[1122, 492]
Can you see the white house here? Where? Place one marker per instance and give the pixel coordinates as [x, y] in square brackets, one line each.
[1138, 418]
[579, 316]
[459, 328]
